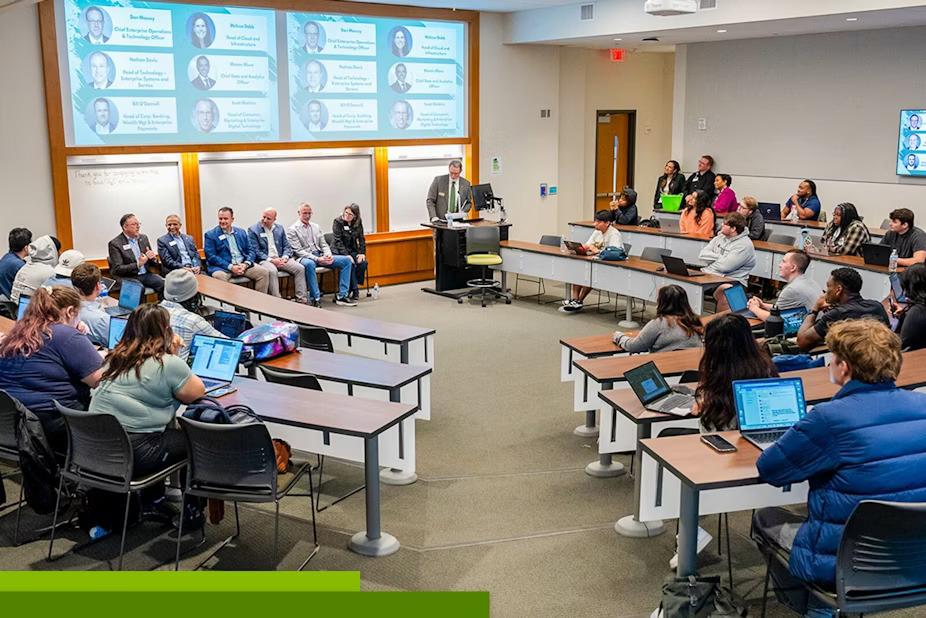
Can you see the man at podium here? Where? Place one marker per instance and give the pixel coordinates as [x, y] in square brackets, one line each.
[449, 193]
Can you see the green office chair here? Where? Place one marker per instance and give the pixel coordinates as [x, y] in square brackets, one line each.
[482, 249]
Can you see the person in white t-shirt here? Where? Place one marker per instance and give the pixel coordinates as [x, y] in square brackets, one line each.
[604, 236]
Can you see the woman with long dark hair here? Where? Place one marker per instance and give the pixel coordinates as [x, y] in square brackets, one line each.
[912, 326]
[730, 353]
[674, 328]
[697, 217]
[47, 357]
[846, 233]
[672, 182]
[350, 240]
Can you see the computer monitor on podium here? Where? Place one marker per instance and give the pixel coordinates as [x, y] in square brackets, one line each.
[483, 198]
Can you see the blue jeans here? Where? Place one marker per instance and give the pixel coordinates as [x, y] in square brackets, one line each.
[341, 262]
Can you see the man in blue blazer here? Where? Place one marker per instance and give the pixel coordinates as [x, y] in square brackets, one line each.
[229, 254]
[273, 252]
[177, 250]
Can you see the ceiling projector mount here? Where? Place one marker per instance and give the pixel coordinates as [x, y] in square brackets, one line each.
[670, 7]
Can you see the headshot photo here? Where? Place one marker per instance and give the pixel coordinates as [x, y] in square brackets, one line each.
[205, 115]
[99, 70]
[912, 161]
[315, 76]
[200, 67]
[401, 41]
[313, 37]
[401, 115]
[915, 121]
[913, 142]
[315, 116]
[201, 29]
[101, 116]
[400, 80]
[96, 25]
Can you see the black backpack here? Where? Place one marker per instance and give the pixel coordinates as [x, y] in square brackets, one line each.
[37, 462]
[209, 410]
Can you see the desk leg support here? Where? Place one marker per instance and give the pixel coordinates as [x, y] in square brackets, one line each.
[589, 429]
[372, 541]
[606, 467]
[628, 321]
[631, 525]
[688, 531]
[394, 476]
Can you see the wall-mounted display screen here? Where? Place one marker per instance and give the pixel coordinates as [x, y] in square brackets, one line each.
[147, 73]
[911, 149]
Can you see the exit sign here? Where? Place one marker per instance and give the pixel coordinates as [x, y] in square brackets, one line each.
[617, 55]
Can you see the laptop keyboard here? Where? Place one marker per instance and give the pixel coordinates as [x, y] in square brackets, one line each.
[766, 436]
[678, 400]
[212, 383]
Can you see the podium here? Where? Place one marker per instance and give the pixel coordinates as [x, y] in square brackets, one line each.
[451, 270]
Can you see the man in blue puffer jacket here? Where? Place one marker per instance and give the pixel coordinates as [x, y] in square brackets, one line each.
[867, 443]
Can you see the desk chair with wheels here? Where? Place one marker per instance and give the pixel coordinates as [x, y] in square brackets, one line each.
[880, 564]
[100, 456]
[482, 249]
[238, 463]
[9, 451]
[548, 240]
[766, 233]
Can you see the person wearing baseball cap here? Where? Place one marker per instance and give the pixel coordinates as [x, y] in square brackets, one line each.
[67, 261]
[181, 297]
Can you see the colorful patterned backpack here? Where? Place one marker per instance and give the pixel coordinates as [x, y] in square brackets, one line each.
[270, 340]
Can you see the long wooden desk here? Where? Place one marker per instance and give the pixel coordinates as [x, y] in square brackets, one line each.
[633, 277]
[290, 410]
[372, 379]
[875, 282]
[362, 336]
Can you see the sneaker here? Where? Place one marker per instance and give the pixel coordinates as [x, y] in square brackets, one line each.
[574, 306]
[344, 302]
[316, 302]
[355, 295]
[704, 538]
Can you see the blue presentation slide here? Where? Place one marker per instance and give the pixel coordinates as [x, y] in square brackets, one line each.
[911, 149]
[154, 73]
[356, 77]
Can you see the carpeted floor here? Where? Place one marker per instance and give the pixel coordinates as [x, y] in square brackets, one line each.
[502, 502]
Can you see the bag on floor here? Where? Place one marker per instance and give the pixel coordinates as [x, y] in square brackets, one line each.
[267, 341]
[284, 453]
[779, 344]
[36, 461]
[613, 254]
[797, 362]
[697, 597]
[209, 410]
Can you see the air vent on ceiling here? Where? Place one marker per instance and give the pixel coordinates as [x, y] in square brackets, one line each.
[708, 4]
[587, 12]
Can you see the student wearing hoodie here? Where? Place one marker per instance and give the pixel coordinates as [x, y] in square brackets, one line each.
[729, 254]
[43, 257]
[624, 208]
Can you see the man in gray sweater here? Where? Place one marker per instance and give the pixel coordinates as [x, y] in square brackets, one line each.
[800, 291]
[729, 254]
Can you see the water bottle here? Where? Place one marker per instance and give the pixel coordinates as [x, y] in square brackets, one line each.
[892, 263]
[806, 242]
[375, 291]
[774, 325]
[562, 247]
[104, 291]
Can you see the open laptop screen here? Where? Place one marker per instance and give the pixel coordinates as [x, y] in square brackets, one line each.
[229, 323]
[215, 357]
[130, 294]
[23, 305]
[771, 403]
[736, 298]
[116, 330]
[647, 382]
[793, 318]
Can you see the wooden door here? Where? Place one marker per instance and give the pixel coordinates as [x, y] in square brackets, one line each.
[613, 155]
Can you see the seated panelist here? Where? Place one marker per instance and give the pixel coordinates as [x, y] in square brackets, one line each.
[230, 254]
[274, 253]
[131, 256]
[177, 250]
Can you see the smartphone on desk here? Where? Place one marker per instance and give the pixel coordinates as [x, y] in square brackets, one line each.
[718, 443]
[225, 390]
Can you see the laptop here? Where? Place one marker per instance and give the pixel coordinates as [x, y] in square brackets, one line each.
[215, 360]
[768, 407]
[575, 247]
[676, 266]
[736, 298]
[229, 323]
[655, 393]
[129, 298]
[670, 224]
[770, 211]
[896, 287]
[23, 304]
[793, 318]
[107, 282]
[876, 254]
[116, 330]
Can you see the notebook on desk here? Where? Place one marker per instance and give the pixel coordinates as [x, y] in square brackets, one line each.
[768, 407]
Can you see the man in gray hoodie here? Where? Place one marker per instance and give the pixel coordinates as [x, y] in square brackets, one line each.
[729, 254]
[43, 257]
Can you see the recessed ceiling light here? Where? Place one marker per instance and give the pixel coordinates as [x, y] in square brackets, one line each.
[851, 18]
[721, 31]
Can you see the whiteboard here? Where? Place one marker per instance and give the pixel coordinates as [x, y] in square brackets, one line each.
[100, 193]
[409, 182]
[248, 186]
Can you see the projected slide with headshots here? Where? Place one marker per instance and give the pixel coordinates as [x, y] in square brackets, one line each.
[139, 73]
[911, 149]
[357, 77]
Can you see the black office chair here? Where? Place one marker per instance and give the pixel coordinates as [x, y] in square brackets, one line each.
[548, 240]
[782, 239]
[880, 564]
[482, 249]
[100, 456]
[238, 463]
[316, 338]
[9, 451]
[9, 309]
[651, 254]
[766, 233]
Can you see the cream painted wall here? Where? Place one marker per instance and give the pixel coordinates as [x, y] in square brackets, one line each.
[25, 168]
